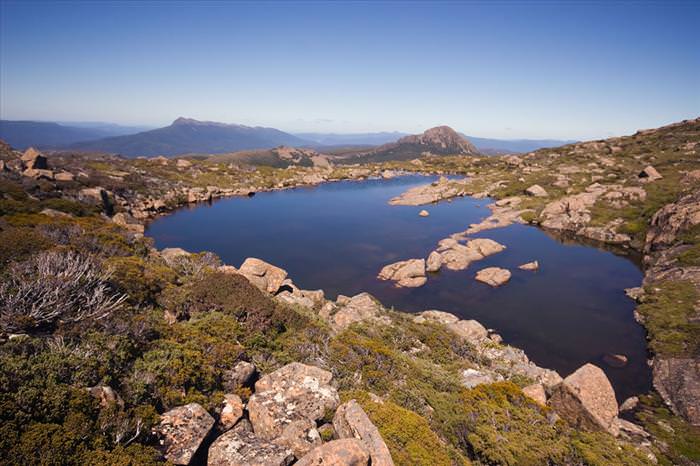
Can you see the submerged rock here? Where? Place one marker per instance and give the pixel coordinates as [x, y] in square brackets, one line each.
[586, 400]
[182, 431]
[409, 273]
[494, 276]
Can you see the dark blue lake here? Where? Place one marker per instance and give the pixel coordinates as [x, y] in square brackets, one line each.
[337, 236]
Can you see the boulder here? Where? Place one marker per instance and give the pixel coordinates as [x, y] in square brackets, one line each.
[536, 191]
[182, 430]
[434, 262]
[265, 276]
[242, 375]
[439, 317]
[240, 447]
[423, 213]
[38, 174]
[359, 308]
[536, 392]
[586, 400]
[678, 382]
[472, 378]
[494, 276]
[629, 404]
[531, 266]
[343, 452]
[456, 256]
[350, 421]
[106, 396]
[64, 176]
[182, 163]
[288, 402]
[470, 330]
[409, 273]
[34, 160]
[231, 412]
[650, 174]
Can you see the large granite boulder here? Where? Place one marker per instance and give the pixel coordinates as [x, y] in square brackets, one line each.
[351, 421]
[343, 452]
[266, 277]
[434, 262]
[182, 430]
[288, 402]
[586, 400]
[409, 273]
[34, 160]
[241, 447]
[241, 375]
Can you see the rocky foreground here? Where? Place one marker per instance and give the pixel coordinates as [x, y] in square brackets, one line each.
[116, 353]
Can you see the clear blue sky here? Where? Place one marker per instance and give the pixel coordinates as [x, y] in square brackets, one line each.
[492, 69]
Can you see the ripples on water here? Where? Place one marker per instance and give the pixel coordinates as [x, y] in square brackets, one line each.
[337, 236]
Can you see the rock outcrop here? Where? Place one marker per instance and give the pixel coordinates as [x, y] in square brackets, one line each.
[433, 262]
[457, 256]
[586, 400]
[441, 189]
[182, 430]
[409, 273]
[359, 308]
[493, 276]
[288, 402]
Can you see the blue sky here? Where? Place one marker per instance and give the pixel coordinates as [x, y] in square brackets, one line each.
[491, 69]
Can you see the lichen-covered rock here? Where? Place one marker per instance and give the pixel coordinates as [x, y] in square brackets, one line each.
[350, 421]
[409, 273]
[493, 276]
[439, 317]
[359, 308]
[231, 411]
[343, 452]
[182, 430]
[586, 400]
[288, 402]
[470, 330]
[473, 377]
[678, 382]
[241, 447]
[266, 277]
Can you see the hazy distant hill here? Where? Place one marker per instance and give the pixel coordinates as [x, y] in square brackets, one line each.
[279, 157]
[22, 134]
[188, 136]
[441, 140]
[352, 139]
[485, 145]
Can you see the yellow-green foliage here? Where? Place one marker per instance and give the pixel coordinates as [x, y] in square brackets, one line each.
[680, 441]
[668, 311]
[407, 434]
[141, 279]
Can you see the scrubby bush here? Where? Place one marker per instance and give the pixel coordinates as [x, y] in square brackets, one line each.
[141, 279]
[55, 286]
[19, 243]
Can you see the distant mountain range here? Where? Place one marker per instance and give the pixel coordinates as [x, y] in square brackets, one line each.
[22, 134]
[188, 136]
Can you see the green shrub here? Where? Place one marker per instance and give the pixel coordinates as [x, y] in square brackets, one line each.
[141, 279]
[17, 244]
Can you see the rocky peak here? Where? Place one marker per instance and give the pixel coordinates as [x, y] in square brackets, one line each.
[443, 138]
